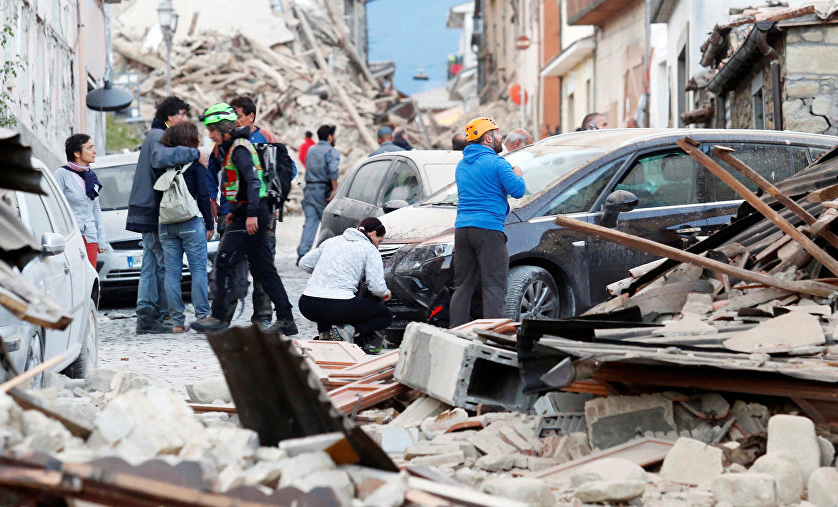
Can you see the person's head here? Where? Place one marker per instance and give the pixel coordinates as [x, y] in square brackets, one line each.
[594, 121]
[220, 121]
[373, 229]
[484, 131]
[385, 134]
[327, 133]
[79, 149]
[458, 142]
[245, 110]
[172, 110]
[182, 134]
[517, 139]
[309, 135]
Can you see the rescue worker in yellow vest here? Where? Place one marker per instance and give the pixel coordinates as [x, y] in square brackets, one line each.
[247, 223]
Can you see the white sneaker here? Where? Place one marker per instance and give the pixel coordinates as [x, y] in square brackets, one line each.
[344, 333]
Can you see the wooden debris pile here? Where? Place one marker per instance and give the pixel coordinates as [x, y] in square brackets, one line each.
[754, 304]
[315, 79]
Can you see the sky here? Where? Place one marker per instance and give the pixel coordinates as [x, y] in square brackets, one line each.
[412, 34]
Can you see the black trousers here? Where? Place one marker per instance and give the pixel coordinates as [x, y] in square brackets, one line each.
[480, 256]
[365, 314]
[237, 244]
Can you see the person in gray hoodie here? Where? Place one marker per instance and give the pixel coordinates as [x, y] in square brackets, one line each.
[143, 212]
[331, 297]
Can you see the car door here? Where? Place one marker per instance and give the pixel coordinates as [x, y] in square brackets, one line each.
[74, 251]
[50, 273]
[671, 210]
[773, 162]
[363, 195]
[402, 184]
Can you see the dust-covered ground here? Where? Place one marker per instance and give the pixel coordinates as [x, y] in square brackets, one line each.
[185, 358]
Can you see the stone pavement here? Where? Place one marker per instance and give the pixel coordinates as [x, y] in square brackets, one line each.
[187, 358]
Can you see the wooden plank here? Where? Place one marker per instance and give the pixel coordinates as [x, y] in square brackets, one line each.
[368, 367]
[644, 452]
[689, 146]
[331, 353]
[487, 324]
[823, 194]
[726, 154]
[30, 373]
[661, 250]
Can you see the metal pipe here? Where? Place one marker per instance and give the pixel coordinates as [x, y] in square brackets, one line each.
[168, 36]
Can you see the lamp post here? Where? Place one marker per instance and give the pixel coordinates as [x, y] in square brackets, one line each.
[168, 17]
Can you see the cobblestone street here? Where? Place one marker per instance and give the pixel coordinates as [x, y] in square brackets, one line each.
[185, 358]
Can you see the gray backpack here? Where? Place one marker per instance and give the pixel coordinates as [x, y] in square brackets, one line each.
[177, 204]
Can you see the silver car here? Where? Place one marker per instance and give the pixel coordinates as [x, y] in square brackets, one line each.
[63, 272]
[119, 266]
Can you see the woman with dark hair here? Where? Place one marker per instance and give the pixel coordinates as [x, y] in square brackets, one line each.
[337, 267]
[81, 188]
[189, 236]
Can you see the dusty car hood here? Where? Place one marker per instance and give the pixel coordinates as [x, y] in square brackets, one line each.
[114, 221]
[415, 224]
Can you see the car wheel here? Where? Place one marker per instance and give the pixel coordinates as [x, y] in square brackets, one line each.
[34, 357]
[531, 294]
[89, 354]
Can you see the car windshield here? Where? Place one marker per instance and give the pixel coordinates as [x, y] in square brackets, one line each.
[116, 186]
[440, 175]
[540, 170]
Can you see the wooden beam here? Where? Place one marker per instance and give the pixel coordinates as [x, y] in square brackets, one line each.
[726, 154]
[661, 250]
[823, 194]
[28, 374]
[344, 98]
[343, 39]
[829, 262]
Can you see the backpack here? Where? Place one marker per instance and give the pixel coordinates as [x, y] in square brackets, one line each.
[278, 173]
[177, 204]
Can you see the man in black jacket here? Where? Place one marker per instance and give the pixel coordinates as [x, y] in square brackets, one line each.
[143, 212]
[245, 190]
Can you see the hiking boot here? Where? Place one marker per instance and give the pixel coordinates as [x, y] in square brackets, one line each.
[209, 325]
[344, 333]
[286, 327]
[371, 349]
[147, 324]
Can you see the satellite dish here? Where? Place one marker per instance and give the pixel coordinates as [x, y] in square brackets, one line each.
[108, 98]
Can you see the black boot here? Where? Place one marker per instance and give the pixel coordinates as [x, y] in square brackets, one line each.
[147, 324]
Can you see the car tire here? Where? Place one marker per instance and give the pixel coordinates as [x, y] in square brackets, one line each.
[531, 293]
[89, 353]
[35, 356]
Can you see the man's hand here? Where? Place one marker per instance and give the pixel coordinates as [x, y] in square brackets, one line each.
[517, 170]
[331, 196]
[214, 208]
[210, 234]
[252, 225]
[386, 297]
[203, 159]
[101, 250]
[228, 218]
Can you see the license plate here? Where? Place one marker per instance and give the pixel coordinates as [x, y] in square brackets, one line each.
[135, 262]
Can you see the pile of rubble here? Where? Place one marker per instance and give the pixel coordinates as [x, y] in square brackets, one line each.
[315, 78]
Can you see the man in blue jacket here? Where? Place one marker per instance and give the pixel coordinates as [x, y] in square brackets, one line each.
[144, 211]
[484, 180]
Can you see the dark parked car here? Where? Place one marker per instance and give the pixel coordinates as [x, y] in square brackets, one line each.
[556, 272]
[384, 183]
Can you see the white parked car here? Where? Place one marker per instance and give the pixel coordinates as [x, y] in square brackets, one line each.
[65, 274]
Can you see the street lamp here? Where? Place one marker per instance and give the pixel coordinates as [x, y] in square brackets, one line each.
[168, 17]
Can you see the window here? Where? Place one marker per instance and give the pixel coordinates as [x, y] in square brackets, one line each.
[367, 181]
[663, 179]
[756, 99]
[799, 158]
[57, 210]
[580, 196]
[403, 185]
[816, 153]
[38, 218]
[116, 186]
[772, 162]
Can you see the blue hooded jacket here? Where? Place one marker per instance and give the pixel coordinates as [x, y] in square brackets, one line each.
[484, 180]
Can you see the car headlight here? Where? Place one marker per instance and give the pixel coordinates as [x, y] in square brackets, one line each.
[422, 254]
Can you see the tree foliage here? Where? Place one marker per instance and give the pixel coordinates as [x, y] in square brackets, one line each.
[8, 73]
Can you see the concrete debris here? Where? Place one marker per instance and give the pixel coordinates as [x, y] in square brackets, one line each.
[531, 491]
[795, 437]
[692, 462]
[823, 487]
[213, 391]
[610, 491]
[827, 452]
[745, 490]
[787, 476]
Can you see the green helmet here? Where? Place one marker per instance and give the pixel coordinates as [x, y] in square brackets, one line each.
[218, 112]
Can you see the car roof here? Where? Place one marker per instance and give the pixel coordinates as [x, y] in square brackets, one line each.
[612, 139]
[116, 159]
[421, 157]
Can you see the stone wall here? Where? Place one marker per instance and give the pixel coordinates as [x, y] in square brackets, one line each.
[811, 79]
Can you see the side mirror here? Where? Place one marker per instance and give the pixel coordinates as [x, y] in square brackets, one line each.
[52, 243]
[394, 205]
[617, 202]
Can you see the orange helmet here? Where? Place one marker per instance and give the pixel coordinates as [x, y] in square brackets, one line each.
[479, 126]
